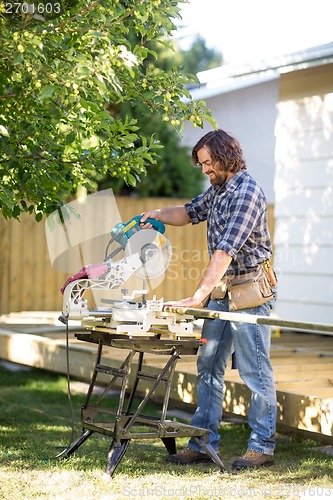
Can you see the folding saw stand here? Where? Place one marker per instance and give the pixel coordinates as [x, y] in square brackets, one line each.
[139, 327]
[127, 421]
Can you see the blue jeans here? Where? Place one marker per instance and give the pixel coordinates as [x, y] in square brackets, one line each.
[251, 344]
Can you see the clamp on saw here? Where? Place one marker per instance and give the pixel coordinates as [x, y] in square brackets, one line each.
[147, 256]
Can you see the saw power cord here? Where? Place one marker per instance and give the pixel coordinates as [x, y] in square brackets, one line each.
[63, 453]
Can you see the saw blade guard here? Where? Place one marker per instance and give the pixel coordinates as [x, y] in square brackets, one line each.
[155, 253]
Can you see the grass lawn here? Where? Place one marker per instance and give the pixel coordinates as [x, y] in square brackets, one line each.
[36, 425]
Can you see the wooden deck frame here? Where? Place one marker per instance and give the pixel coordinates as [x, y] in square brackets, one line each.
[304, 375]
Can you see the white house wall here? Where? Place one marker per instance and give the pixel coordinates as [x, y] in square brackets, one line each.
[304, 208]
[285, 127]
[249, 114]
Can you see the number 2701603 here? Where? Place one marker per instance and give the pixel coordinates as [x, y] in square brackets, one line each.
[32, 8]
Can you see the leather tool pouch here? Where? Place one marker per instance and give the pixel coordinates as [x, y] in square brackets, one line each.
[205, 302]
[220, 291]
[245, 291]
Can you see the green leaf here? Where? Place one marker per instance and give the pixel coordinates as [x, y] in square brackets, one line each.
[131, 180]
[70, 137]
[18, 57]
[46, 92]
[16, 212]
[4, 131]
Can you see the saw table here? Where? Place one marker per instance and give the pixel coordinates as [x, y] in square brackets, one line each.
[140, 327]
[128, 421]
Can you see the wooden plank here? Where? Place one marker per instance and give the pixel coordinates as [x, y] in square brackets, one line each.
[5, 276]
[294, 338]
[295, 351]
[322, 349]
[49, 354]
[304, 384]
[14, 261]
[313, 392]
[250, 318]
[286, 379]
[287, 338]
[33, 278]
[295, 411]
[294, 367]
[300, 360]
[288, 375]
[50, 290]
[293, 355]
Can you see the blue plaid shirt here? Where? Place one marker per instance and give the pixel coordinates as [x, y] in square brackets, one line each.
[237, 223]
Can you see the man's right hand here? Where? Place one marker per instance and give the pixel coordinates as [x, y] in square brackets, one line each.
[152, 214]
[173, 216]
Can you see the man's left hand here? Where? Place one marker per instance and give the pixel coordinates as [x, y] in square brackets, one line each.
[188, 302]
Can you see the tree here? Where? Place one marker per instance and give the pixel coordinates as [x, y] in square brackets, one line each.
[173, 175]
[63, 68]
[199, 57]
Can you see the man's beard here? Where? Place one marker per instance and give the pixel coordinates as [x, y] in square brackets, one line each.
[219, 178]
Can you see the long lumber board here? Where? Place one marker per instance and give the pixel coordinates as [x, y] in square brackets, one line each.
[251, 318]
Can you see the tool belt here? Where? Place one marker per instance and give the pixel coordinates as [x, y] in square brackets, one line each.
[249, 289]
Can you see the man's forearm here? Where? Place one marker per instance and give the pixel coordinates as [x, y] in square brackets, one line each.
[173, 216]
[216, 268]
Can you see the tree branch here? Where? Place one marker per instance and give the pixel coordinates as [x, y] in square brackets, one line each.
[86, 11]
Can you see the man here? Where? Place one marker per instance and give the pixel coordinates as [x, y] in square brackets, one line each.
[235, 209]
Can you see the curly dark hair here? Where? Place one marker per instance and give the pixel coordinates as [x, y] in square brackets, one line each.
[223, 148]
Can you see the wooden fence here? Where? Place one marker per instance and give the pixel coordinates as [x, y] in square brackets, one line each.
[28, 281]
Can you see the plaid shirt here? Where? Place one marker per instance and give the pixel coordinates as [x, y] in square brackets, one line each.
[237, 221]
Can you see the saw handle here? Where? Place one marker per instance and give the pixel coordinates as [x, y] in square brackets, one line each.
[157, 224]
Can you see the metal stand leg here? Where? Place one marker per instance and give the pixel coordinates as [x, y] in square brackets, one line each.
[211, 452]
[116, 453]
[87, 433]
[82, 438]
[170, 444]
[86, 412]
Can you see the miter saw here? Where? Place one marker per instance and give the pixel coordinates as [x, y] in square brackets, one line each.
[147, 255]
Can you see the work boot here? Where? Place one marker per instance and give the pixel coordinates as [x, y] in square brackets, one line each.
[253, 459]
[188, 456]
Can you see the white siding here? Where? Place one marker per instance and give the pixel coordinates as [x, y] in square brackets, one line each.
[304, 209]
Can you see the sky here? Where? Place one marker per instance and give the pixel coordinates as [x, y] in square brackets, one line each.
[252, 30]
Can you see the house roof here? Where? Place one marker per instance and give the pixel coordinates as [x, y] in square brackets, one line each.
[230, 77]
